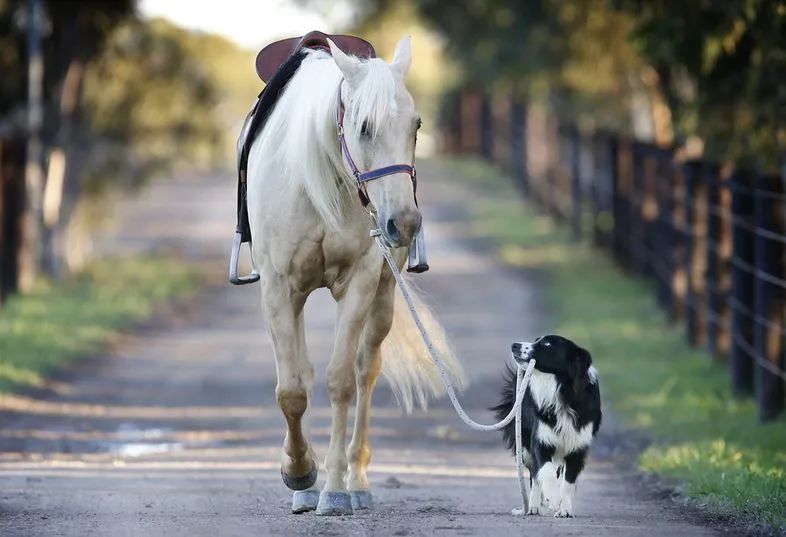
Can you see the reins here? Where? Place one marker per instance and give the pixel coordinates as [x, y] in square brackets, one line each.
[523, 375]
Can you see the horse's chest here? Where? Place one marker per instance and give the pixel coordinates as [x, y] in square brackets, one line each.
[323, 260]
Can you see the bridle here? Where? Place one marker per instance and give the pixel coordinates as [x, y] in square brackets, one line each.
[364, 177]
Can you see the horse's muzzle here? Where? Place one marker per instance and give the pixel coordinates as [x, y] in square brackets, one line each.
[402, 227]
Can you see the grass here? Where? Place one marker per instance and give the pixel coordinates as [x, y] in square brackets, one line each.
[54, 324]
[652, 380]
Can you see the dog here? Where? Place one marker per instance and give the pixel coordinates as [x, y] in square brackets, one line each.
[561, 415]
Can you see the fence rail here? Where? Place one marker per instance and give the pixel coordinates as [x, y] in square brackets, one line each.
[712, 239]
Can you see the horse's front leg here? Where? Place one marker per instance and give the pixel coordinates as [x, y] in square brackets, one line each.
[368, 366]
[354, 301]
[284, 315]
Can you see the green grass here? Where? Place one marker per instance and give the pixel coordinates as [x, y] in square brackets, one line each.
[652, 380]
[54, 324]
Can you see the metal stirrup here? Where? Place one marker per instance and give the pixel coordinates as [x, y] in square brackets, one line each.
[233, 260]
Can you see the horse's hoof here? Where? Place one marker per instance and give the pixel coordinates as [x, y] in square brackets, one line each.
[300, 483]
[361, 499]
[304, 501]
[334, 503]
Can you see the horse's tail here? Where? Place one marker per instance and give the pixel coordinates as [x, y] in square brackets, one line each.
[406, 361]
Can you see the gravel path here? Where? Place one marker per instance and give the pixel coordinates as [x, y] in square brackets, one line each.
[175, 430]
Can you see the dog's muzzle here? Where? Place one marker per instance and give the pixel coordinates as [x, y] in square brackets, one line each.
[521, 351]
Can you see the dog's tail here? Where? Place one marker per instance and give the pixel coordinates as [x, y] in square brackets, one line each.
[406, 362]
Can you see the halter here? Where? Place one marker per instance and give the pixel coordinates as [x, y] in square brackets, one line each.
[370, 175]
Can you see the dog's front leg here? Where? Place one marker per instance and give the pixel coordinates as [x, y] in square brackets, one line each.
[541, 466]
[574, 463]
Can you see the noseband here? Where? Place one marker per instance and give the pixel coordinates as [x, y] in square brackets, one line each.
[370, 175]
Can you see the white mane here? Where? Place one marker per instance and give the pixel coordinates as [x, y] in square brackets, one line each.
[301, 130]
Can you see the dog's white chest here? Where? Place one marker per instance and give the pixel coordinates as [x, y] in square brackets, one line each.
[563, 436]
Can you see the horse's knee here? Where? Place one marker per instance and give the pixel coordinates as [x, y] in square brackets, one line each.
[293, 400]
[341, 390]
[341, 385]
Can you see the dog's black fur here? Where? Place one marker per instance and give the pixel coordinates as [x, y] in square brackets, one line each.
[561, 414]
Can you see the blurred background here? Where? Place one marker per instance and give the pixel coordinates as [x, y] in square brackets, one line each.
[646, 138]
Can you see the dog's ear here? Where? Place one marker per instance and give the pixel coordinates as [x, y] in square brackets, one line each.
[578, 368]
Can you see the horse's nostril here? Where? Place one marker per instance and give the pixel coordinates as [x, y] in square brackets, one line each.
[392, 230]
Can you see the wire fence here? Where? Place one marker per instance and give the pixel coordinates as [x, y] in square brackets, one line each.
[711, 238]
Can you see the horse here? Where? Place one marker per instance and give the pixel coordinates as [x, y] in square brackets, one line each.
[337, 115]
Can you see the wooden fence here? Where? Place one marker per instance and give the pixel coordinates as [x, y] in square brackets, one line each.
[711, 238]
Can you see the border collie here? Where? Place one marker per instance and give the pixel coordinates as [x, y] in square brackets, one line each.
[561, 415]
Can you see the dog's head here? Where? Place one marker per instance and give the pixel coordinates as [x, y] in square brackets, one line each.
[555, 355]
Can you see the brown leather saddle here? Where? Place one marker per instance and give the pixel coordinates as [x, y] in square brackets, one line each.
[275, 65]
[275, 54]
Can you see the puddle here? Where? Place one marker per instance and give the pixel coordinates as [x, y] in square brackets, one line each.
[140, 449]
[134, 441]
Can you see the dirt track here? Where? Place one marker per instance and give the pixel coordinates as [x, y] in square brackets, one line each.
[175, 431]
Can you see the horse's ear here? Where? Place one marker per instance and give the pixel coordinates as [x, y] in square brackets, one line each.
[402, 58]
[347, 65]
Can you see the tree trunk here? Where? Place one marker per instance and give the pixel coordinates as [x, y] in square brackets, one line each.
[61, 171]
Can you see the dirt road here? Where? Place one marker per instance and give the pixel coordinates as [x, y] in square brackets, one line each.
[175, 431]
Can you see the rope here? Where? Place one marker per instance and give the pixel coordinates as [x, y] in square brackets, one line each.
[523, 376]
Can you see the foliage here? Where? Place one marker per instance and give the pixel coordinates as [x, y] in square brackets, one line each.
[712, 69]
[151, 101]
[52, 325]
[651, 378]
[722, 64]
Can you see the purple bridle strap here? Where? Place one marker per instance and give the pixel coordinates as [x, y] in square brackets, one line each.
[364, 177]
[387, 170]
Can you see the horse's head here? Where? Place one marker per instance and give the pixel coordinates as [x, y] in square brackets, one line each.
[380, 128]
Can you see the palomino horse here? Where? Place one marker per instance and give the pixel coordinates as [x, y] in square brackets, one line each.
[311, 231]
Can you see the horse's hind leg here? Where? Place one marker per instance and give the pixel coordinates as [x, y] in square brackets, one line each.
[368, 366]
[284, 311]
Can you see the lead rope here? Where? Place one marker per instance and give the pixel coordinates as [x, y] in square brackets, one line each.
[522, 377]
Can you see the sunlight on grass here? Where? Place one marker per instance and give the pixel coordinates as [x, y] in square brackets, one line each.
[52, 325]
[651, 378]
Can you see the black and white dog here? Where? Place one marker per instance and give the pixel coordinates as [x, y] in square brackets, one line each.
[561, 414]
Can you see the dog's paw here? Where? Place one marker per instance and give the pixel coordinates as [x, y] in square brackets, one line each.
[534, 510]
[550, 491]
[564, 511]
[517, 512]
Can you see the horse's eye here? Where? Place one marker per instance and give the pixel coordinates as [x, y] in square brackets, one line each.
[420, 124]
[365, 129]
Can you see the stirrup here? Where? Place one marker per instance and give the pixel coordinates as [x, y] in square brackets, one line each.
[417, 262]
[234, 279]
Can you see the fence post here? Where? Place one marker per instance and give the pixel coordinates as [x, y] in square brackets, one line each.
[690, 175]
[486, 132]
[638, 239]
[742, 281]
[12, 196]
[518, 137]
[575, 181]
[768, 205]
[665, 232]
[620, 204]
[715, 295]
